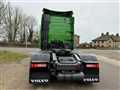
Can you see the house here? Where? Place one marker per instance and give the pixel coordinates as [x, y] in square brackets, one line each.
[76, 40]
[107, 41]
[85, 45]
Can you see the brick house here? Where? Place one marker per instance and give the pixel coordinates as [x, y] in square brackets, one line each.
[107, 41]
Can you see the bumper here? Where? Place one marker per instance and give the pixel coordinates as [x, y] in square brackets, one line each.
[79, 77]
[76, 76]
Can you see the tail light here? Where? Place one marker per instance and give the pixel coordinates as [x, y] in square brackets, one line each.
[38, 65]
[92, 65]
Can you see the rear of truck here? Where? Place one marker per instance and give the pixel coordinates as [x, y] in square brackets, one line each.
[57, 30]
[56, 60]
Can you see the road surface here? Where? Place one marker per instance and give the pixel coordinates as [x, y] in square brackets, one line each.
[14, 76]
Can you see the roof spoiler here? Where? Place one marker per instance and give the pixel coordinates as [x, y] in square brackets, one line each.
[59, 13]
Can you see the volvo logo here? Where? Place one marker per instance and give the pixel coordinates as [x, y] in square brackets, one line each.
[39, 80]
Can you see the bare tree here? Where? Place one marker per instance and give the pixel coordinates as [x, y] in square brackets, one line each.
[2, 10]
[17, 20]
[23, 28]
[12, 21]
[16, 23]
[2, 13]
[8, 21]
[31, 23]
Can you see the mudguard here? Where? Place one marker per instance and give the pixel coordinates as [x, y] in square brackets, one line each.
[39, 68]
[91, 67]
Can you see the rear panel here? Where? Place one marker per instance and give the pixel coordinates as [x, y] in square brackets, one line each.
[39, 67]
[57, 30]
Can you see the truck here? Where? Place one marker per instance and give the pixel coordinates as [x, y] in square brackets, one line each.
[57, 59]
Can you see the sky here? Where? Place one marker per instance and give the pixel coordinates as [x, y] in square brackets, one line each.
[92, 17]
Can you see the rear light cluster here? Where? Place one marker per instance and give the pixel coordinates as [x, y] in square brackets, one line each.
[38, 65]
[92, 65]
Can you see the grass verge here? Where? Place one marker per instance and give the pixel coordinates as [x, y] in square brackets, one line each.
[8, 56]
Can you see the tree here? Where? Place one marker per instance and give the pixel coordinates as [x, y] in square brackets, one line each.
[31, 23]
[16, 24]
[2, 11]
[12, 21]
[17, 20]
[23, 28]
[8, 22]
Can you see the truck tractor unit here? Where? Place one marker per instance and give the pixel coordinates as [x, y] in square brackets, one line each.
[57, 59]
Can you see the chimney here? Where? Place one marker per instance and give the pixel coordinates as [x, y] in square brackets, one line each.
[117, 34]
[107, 33]
[102, 34]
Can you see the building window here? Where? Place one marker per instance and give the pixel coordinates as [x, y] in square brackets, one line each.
[102, 41]
[109, 45]
[102, 45]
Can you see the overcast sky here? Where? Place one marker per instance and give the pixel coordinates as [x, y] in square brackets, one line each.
[91, 17]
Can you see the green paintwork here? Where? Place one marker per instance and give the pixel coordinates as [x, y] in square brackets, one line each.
[61, 28]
